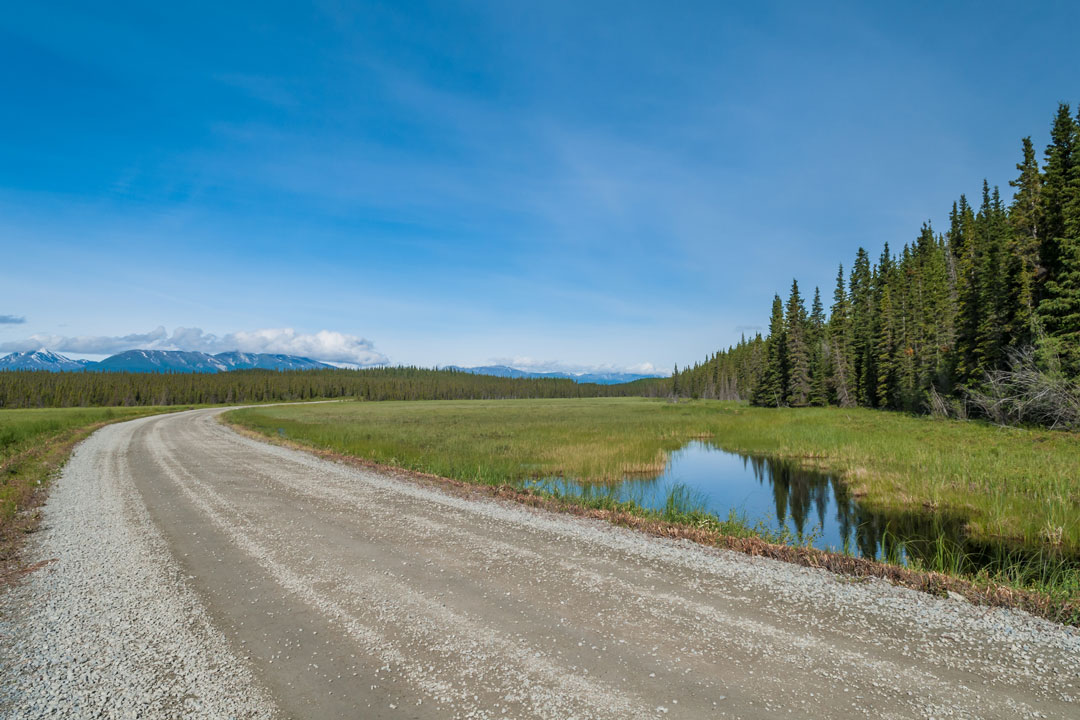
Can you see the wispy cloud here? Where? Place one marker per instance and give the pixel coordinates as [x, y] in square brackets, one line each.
[12, 320]
[265, 89]
[326, 345]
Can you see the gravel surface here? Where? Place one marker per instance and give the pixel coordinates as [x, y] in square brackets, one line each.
[199, 573]
[109, 628]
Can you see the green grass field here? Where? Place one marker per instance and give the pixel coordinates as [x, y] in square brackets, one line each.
[23, 429]
[1015, 485]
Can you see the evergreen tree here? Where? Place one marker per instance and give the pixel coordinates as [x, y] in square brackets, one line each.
[948, 310]
[1059, 311]
[1025, 215]
[909, 344]
[886, 391]
[816, 337]
[798, 351]
[1060, 157]
[881, 383]
[929, 332]
[862, 328]
[841, 369]
[772, 389]
[1021, 262]
[992, 290]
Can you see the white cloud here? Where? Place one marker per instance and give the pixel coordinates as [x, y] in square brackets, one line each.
[533, 365]
[325, 345]
[89, 344]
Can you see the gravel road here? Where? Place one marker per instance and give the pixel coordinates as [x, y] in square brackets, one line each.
[197, 573]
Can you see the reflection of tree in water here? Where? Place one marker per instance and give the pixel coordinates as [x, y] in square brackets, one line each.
[893, 536]
[796, 492]
[801, 499]
[799, 493]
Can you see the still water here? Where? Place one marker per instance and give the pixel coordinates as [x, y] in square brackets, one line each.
[811, 506]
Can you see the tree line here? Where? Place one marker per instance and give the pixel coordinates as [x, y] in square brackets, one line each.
[30, 389]
[988, 311]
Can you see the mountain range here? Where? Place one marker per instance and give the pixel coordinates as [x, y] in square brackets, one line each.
[41, 360]
[185, 361]
[605, 378]
[161, 361]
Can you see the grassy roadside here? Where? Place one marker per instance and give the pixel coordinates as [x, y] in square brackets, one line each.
[34, 445]
[1010, 484]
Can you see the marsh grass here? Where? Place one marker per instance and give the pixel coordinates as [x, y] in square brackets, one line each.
[1015, 492]
[1008, 484]
[1044, 570]
[507, 446]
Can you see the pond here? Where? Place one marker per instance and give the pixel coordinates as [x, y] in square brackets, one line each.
[808, 506]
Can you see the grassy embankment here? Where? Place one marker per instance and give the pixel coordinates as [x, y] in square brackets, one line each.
[34, 444]
[1013, 486]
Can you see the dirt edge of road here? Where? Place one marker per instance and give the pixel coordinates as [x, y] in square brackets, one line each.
[36, 469]
[1066, 612]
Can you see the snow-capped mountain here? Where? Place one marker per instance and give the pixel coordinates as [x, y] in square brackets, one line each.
[159, 361]
[184, 361]
[175, 361]
[267, 361]
[40, 360]
[608, 378]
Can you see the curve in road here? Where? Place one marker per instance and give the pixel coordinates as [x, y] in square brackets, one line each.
[195, 572]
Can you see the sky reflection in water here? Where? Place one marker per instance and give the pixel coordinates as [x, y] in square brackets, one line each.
[810, 505]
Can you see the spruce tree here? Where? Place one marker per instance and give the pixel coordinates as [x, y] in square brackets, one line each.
[862, 328]
[1060, 157]
[1021, 261]
[1059, 311]
[1025, 214]
[942, 313]
[841, 368]
[909, 295]
[882, 381]
[772, 388]
[885, 351]
[993, 290]
[934, 315]
[819, 384]
[798, 351]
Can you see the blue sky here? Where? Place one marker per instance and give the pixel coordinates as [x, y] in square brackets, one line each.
[566, 184]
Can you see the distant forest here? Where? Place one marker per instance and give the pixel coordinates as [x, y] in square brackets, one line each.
[983, 318]
[30, 389]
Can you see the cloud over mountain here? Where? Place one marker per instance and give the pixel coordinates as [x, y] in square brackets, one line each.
[554, 366]
[324, 345]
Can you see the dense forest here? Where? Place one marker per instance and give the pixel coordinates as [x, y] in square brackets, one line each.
[22, 389]
[983, 318]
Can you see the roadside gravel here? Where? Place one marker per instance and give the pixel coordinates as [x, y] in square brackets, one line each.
[108, 628]
[199, 573]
